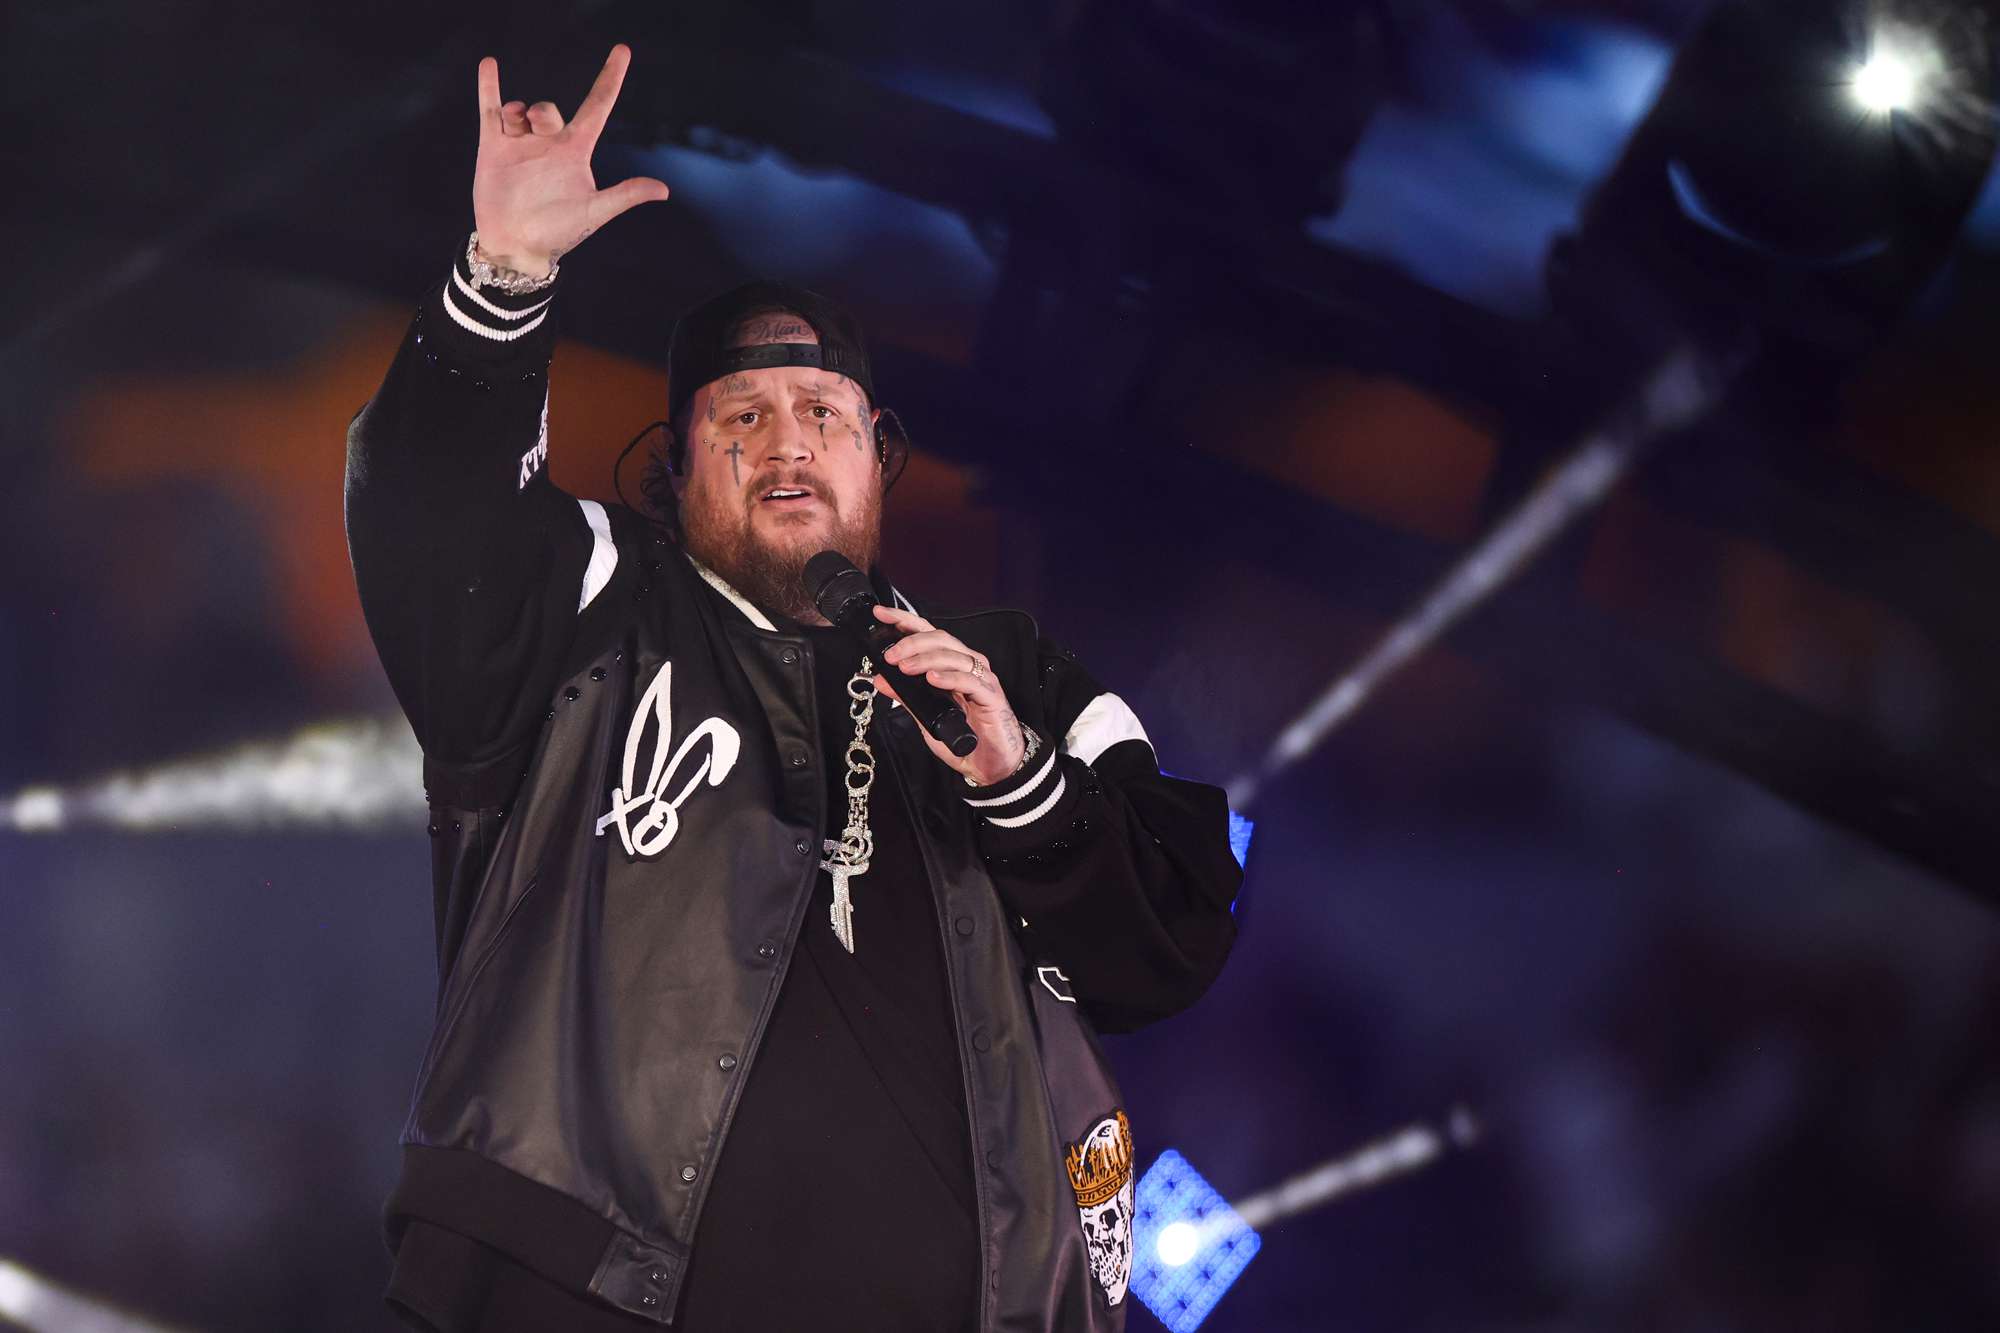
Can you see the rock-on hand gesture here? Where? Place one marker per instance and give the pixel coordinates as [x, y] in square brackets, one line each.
[533, 197]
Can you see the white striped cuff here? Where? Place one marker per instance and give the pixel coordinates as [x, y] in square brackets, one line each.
[490, 314]
[1027, 817]
[1028, 796]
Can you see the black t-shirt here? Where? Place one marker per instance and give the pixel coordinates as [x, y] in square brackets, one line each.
[843, 1198]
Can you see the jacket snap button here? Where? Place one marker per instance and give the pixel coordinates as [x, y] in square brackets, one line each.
[649, 1300]
[572, 694]
[688, 1174]
[597, 673]
[963, 925]
[767, 950]
[980, 1042]
[993, 1158]
[789, 657]
[727, 1062]
[802, 847]
[799, 759]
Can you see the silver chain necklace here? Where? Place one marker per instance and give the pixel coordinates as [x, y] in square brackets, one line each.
[848, 855]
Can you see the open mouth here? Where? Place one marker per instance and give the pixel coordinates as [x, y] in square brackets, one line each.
[787, 497]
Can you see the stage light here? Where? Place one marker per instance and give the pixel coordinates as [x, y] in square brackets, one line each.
[1680, 390]
[1898, 71]
[1177, 1244]
[1887, 81]
[1240, 829]
[32, 1302]
[1801, 179]
[35, 810]
[364, 774]
[1188, 1244]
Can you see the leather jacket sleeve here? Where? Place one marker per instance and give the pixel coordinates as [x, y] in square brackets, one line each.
[1123, 874]
[470, 563]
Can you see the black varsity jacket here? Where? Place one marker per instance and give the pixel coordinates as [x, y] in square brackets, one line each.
[626, 821]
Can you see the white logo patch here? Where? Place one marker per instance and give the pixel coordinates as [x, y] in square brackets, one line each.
[662, 819]
[531, 462]
[1100, 1171]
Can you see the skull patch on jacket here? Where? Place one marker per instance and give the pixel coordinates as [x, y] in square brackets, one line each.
[1100, 1171]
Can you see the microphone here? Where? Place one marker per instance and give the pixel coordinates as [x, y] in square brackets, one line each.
[844, 596]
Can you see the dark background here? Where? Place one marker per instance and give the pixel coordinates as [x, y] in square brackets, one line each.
[1221, 330]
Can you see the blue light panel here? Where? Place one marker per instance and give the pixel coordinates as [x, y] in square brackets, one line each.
[1239, 836]
[1181, 1295]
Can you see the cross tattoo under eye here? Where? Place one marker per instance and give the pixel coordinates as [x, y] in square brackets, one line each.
[735, 452]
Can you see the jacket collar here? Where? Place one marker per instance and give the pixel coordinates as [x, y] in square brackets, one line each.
[885, 590]
[736, 599]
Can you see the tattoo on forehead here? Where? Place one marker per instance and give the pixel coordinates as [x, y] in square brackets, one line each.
[736, 384]
[772, 328]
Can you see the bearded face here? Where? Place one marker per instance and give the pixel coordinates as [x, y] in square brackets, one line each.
[781, 466]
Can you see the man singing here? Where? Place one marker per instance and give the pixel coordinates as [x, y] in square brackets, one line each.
[758, 1007]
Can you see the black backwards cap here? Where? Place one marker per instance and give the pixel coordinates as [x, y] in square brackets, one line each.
[697, 354]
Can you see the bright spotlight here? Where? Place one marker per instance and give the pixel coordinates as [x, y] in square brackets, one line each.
[1188, 1244]
[1177, 1244]
[360, 774]
[1894, 76]
[33, 1302]
[1886, 82]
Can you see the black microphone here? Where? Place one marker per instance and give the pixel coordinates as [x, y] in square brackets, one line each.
[844, 596]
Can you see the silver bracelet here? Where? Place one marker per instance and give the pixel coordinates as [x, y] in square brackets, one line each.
[486, 273]
[1030, 745]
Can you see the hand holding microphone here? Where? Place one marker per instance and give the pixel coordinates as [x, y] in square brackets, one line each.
[948, 687]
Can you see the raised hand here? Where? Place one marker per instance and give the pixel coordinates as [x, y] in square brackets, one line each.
[533, 197]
